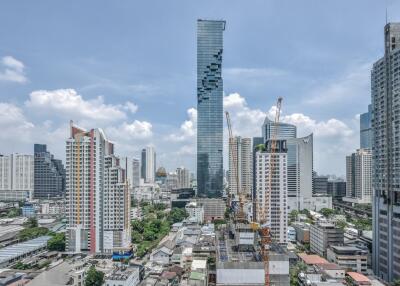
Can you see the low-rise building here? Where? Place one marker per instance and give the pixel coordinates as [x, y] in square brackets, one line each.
[11, 254]
[195, 211]
[162, 255]
[124, 276]
[349, 257]
[324, 234]
[291, 234]
[357, 279]
[302, 232]
[214, 209]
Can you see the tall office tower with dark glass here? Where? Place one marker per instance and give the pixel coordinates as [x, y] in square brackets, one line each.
[209, 108]
[385, 94]
[366, 129]
[49, 174]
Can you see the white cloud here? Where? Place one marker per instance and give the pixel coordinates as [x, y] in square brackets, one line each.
[188, 128]
[330, 128]
[12, 70]
[136, 129]
[68, 103]
[13, 123]
[130, 106]
[245, 121]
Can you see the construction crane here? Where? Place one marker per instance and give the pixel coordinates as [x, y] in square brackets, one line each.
[264, 227]
[240, 214]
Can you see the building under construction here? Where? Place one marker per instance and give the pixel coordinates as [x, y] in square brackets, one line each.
[239, 261]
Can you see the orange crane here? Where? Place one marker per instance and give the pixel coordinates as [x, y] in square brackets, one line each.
[240, 215]
[262, 214]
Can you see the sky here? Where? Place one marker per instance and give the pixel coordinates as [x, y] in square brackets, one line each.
[129, 67]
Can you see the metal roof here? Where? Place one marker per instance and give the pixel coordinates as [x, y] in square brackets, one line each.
[13, 251]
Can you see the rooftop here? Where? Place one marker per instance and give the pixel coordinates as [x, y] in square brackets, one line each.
[122, 274]
[330, 266]
[197, 276]
[312, 259]
[358, 277]
[19, 249]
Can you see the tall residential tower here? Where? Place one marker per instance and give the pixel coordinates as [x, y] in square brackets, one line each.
[97, 197]
[385, 81]
[209, 108]
[148, 168]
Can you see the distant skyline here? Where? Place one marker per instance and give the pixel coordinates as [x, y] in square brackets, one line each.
[130, 68]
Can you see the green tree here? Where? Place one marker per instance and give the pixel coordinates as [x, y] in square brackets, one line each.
[94, 277]
[137, 226]
[31, 222]
[341, 224]
[177, 215]
[14, 212]
[294, 272]
[327, 212]
[57, 242]
[149, 235]
[293, 215]
[30, 233]
[396, 282]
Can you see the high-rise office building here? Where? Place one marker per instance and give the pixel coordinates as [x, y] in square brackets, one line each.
[336, 189]
[209, 108]
[135, 173]
[148, 169]
[49, 174]
[320, 184]
[299, 171]
[97, 197]
[385, 80]
[183, 178]
[359, 177]
[366, 129]
[240, 165]
[16, 177]
[273, 207]
[281, 130]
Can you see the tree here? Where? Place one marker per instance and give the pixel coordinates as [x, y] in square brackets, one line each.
[327, 212]
[341, 224]
[396, 282]
[94, 277]
[177, 215]
[57, 242]
[30, 233]
[294, 272]
[293, 215]
[31, 223]
[149, 235]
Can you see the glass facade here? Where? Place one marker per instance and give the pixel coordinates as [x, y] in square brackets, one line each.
[49, 174]
[284, 130]
[209, 108]
[385, 82]
[365, 129]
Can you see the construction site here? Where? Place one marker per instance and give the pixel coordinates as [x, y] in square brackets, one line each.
[239, 261]
[247, 252]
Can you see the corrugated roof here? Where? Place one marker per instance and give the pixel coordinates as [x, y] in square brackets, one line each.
[13, 251]
[358, 277]
[312, 259]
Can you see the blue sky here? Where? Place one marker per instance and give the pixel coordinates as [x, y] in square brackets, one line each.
[129, 67]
